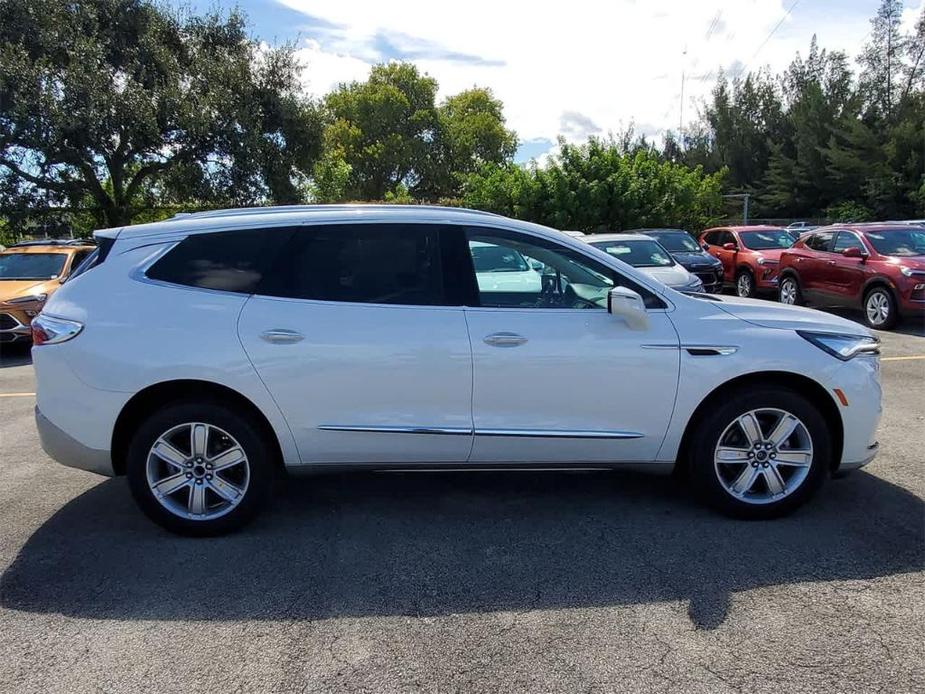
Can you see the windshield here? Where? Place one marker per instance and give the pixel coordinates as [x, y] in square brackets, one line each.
[676, 242]
[899, 242]
[766, 240]
[490, 258]
[637, 253]
[31, 266]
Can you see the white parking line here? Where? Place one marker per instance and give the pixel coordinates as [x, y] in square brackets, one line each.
[909, 358]
[17, 395]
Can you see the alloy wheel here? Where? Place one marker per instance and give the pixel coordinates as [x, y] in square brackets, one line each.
[744, 285]
[788, 292]
[763, 456]
[877, 308]
[197, 471]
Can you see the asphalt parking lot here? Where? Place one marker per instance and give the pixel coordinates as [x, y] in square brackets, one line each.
[481, 582]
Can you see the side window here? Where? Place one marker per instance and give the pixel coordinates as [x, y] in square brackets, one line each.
[727, 237]
[79, 257]
[231, 261]
[711, 238]
[361, 263]
[846, 239]
[520, 271]
[820, 241]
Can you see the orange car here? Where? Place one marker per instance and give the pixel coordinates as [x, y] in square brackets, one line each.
[29, 273]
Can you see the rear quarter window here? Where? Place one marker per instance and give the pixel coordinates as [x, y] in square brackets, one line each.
[230, 261]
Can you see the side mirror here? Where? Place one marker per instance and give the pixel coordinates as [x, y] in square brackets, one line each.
[729, 246]
[628, 305]
[853, 252]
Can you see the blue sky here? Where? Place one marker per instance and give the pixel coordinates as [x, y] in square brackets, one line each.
[567, 69]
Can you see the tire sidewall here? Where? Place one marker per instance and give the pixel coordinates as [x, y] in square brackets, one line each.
[712, 426]
[221, 416]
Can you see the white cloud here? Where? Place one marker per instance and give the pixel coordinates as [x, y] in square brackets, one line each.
[614, 63]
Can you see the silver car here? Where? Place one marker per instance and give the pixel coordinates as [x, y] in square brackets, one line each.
[647, 254]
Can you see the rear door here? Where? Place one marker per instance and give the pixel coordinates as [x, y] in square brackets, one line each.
[557, 378]
[845, 278]
[357, 337]
[813, 266]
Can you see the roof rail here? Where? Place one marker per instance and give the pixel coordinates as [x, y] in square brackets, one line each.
[54, 242]
[279, 209]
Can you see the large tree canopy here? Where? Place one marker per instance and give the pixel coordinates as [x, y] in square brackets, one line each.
[105, 101]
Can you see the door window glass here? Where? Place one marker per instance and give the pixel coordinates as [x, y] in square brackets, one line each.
[846, 239]
[520, 271]
[361, 263]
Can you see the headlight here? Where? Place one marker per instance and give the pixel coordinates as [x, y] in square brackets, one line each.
[843, 347]
[695, 285]
[760, 260]
[31, 299]
[911, 272]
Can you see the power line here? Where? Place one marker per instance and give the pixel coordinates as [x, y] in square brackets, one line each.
[768, 38]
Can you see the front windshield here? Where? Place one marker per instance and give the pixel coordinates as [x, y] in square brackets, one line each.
[766, 240]
[637, 253]
[31, 266]
[490, 258]
[898, 242]
[677, 242]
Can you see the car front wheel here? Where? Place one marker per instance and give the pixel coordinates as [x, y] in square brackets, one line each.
[199, 468]
[880, 309]
[761, 453]
[745, 284]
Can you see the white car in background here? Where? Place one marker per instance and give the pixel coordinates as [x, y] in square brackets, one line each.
[648, 255]
[206, 355]
[500, 269]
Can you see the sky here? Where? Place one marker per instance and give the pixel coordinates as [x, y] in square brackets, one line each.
[571, 68]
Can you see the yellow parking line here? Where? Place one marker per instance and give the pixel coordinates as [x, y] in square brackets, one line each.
[17, 395]
[910, 358]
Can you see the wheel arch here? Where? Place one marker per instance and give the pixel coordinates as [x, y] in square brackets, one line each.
[805, 386]
[160, 394]
[878, 281]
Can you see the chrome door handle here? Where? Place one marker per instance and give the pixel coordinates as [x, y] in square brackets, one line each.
[831, 262]
[280, 336]
[504, 340]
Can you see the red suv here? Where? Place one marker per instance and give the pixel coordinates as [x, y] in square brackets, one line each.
[749, 255]
[878, 268]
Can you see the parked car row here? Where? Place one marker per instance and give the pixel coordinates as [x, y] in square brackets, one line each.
[878, 269]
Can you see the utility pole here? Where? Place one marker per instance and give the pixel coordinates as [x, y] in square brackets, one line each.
[746, 197]
[681, 105]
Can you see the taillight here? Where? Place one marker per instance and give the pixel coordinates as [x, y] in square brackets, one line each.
[48, 330]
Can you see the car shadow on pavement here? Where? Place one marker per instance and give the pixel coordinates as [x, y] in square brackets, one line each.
[437, 544]
[15, 355]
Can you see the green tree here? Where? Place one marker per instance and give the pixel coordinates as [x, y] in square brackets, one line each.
[108, 100]
[882, 60]
[384, 129]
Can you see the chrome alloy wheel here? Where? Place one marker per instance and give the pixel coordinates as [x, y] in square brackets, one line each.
[744, 285]
[877, 308]
[763, 456]
[788, 291]
[197, 471]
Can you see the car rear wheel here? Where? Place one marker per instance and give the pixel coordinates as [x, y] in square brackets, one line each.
[789, 292]
[880, 309]
[199, 468]
[745, 284]
[760, 454]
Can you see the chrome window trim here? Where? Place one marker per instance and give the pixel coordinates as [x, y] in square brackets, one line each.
[464, 431]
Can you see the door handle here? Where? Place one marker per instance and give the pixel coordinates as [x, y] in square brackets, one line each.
[281, 336]
[504, 340]
[831, 262]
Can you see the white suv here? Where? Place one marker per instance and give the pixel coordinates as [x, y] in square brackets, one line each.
[203, 355]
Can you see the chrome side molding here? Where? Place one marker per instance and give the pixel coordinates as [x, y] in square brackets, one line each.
[461, 431]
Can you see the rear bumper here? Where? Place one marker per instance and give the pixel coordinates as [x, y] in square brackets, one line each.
[68, 451]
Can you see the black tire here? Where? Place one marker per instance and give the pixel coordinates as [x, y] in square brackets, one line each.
[892, 317]
[706, 437]
[797, 293]
[260, 473]
[745, 284]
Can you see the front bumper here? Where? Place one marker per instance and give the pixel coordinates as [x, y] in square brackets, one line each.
[14, 327]
[766, 277]
[66, 450]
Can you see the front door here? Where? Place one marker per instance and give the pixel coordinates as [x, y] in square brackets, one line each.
[355, 338]
[845, 278]
[556, 377]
